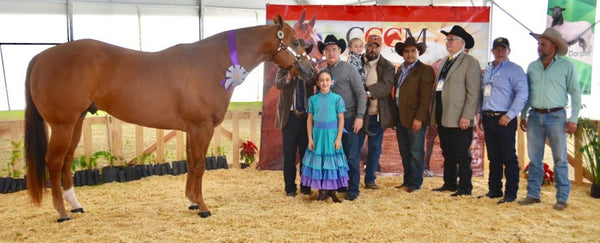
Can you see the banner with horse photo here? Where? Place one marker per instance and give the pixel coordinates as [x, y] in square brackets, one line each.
[575, 20]
[394, 24]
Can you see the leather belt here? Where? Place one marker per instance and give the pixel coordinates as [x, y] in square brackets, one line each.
[493, 113]
[549, 110]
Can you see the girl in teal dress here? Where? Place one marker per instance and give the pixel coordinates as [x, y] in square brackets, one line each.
[324, 166]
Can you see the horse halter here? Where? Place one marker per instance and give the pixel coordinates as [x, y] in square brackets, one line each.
[283, 47]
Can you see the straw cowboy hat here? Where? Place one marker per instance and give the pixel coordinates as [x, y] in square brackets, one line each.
[554, 36]
[332, 40]
[462, 33]
[410, 41]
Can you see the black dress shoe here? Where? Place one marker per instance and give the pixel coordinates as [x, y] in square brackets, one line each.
[504, 200]
[492, 195]
[400, 186]
[351, 196]
[459, 193]
[410, 189]
[305, 190]
[290, 194]
[443, 189]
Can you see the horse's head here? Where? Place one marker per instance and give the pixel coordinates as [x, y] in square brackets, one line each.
[306, 32]
[291, 52]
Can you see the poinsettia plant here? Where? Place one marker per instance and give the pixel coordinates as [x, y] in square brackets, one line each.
[548, 174]
[248, 152]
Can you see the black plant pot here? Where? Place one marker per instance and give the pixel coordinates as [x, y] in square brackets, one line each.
[8, 183]
[222, 162]
[244, 165]
[150, 169]
[130, 174]
[89, 175]
[595, 190]
[166, 169]
[138, 171]
[176, 168]
[2, 183]
[77, 178]
[183, 165]
[21, 184]
[12, 185]
[110, 174]
[144, 170]
[211, 163]
[157, 170]
[121, 175]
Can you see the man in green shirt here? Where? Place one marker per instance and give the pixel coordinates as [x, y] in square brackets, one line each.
[551, 78]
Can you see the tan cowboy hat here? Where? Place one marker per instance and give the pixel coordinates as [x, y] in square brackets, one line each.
[554, 36]
[410, 41]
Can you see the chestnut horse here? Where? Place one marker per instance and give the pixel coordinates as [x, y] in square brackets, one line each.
[306, 31]
[186, 87]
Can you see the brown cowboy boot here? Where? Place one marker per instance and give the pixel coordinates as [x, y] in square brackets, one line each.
[334, 197]
[323, 195]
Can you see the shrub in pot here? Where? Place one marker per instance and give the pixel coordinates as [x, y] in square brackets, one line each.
[590, 149]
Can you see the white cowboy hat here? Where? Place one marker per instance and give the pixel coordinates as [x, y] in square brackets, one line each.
[554, 36]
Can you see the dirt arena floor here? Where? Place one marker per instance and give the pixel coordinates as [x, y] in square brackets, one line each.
[250, 206]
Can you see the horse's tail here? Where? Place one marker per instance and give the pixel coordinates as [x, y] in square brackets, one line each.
[36, 143]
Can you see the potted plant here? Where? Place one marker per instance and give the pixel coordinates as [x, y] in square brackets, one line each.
[221, 158]
[13, 182]
[211, 161]
[548, 174]
[247, 153]
[590, 148]
[110, 173]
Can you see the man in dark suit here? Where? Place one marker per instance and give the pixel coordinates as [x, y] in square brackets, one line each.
[413, 91]
[291, 119]
[379, 78]
[457, 95]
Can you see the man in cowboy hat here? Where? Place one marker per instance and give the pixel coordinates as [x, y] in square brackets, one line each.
[551, 79]
[413, 91]
[504, 95]
[379, 78]
[348, 84]
[458, 93]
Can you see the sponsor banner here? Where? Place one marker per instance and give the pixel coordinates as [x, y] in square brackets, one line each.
[574, 20]
[394, 24]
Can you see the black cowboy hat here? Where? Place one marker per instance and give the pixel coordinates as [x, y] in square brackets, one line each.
[410, 41]
[462, 33]
[331, 40]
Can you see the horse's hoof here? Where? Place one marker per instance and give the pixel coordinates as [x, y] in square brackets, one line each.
[194, 207]
[60, 220]
[77, 210]
[204, 214]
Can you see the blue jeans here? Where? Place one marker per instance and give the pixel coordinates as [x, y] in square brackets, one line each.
[552, 126]
[374, 143]
[350, 142]
[412, 150]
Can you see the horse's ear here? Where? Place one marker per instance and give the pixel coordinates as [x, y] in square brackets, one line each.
[312, 21]
[309, 48]
[301, 19]
[278, 22]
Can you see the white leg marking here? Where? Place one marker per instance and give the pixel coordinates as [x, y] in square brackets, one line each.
[72, 199]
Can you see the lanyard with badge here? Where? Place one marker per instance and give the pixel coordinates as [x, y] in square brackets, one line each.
[445, 69]
[487, 90]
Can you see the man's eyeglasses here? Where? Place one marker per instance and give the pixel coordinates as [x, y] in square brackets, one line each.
[451, 39]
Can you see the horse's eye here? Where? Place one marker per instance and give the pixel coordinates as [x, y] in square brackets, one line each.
[295, 43]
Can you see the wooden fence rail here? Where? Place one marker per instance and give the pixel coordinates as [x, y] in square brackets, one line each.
[114, 137]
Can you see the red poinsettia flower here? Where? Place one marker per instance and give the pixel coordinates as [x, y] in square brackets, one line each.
[248, 152]
[548, 174]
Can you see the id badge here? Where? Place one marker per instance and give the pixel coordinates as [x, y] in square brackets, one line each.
[440, 85]
[487, 91]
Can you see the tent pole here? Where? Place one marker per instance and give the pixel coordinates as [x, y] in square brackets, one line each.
[493, 2]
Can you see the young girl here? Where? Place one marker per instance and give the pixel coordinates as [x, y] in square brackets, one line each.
[324, 166]
[355, 54]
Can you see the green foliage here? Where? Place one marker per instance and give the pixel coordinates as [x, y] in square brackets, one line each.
[146, 158]
[83, 162]
[221, 150]
[590, 148]
[15, 156]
